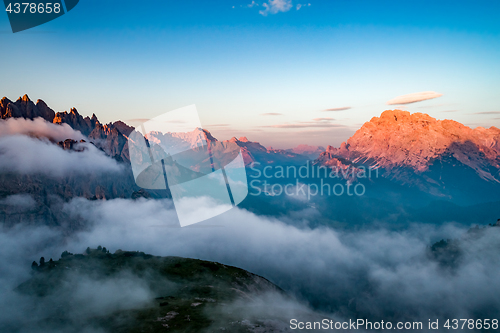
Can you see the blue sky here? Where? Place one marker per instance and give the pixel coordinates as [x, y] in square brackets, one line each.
[135, 60]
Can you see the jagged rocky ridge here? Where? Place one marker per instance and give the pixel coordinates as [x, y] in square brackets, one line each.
[109, 137]
[440, 157]
[49, 192]
[25, 108]
[112, 139]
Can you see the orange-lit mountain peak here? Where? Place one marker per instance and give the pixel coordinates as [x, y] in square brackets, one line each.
[401, 140]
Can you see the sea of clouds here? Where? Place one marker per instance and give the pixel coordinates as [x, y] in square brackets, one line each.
[372, 273]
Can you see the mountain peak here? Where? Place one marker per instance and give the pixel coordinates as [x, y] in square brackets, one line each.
[403, 116]
[399, 141]
[76, 121]
[40, 102]
[4, 101]
[121, 126]
[394, 114]
[23, 107]
[208, 136]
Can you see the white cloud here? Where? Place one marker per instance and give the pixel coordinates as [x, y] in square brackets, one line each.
[324, 119]
[300, 5]
[414, 97]
[26, 155]
[339, 109]
[336, 266]
[22, 201]
[81, 296]
[371, 273]
[276, 6]
[38, 127]
[325, 122]
[488, 112]
[252, 4]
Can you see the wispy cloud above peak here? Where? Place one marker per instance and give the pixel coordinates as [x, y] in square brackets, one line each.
[271, 114]
[488, 112]
[324, 119]
[339, 109]
[325, 122]
[137, 120]
[306, 125]
[414, 97]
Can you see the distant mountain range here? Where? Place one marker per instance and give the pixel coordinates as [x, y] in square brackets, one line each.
[312, 152]
[112, 137]
[441, 158]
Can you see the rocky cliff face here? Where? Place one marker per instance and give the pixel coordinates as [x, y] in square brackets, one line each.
[419, 150]
[112, 137]
[70, 144]
[122, 127]
[76, 121]
[46, 191]
[111, 140]
[400, 139]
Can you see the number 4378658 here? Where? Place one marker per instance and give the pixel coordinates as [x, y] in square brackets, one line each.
[471, 324]
[33, 8]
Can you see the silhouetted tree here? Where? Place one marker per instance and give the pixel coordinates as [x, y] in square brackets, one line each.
[87, 250]
[99, 248]
[66, 254]
[34, 265]
[42, 261]
[104, 250]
